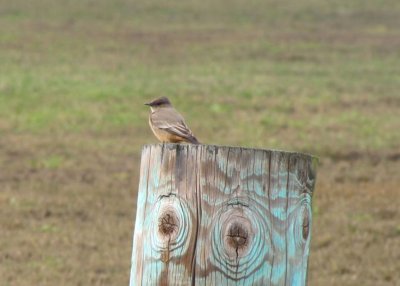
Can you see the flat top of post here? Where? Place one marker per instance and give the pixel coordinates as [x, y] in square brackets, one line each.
[211, 146]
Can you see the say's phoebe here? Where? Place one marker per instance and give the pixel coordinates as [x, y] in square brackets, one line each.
[167, 124]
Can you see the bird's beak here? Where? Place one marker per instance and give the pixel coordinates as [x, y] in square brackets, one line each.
[148, 104]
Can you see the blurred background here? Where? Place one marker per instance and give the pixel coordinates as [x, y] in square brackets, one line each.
[321, 77]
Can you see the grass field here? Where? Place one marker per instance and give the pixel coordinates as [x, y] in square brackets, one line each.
[315, 76]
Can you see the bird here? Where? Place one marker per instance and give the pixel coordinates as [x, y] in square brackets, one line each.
[167, 124]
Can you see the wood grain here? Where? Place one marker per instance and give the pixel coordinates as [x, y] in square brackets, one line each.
[215, 215]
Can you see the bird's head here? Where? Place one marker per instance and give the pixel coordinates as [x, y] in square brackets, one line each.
[159, 103]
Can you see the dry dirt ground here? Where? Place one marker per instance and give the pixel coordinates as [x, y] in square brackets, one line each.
[74, 226]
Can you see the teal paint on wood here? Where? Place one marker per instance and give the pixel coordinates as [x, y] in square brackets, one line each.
[214, 215]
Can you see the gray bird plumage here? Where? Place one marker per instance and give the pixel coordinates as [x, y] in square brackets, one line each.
[168, 124]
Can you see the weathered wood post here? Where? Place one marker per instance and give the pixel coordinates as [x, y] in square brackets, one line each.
[215, 215]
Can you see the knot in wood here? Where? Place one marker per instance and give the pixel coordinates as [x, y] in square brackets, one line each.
[168, 224]
[237, 236]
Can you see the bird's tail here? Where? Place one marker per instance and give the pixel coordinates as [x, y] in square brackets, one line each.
[193, 140]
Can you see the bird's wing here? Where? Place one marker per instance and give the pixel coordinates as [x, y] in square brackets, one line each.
[171, 121]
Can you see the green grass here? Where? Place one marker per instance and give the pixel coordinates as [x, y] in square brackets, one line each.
[311, 75]
[48, 162]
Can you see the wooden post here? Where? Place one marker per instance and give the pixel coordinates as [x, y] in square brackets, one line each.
[216, 215]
